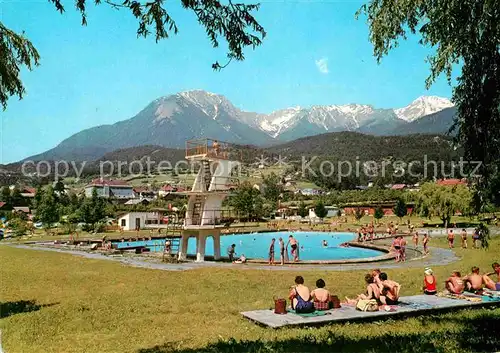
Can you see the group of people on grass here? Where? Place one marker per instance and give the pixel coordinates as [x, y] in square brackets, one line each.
[476, 239]
[379, 287]
[386, 291]
[458, 284]
[304, 301]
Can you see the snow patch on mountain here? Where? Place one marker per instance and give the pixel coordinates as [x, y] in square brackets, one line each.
[422, 106]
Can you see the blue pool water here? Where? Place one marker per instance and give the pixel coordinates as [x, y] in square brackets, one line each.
[256, 245]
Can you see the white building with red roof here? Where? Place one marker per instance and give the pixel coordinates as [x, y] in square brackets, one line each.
[119, 189]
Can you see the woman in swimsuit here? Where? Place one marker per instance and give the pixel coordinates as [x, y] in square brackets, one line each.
[372, 291]
[300, 297]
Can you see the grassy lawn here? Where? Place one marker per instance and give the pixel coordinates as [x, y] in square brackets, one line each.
[53, 302]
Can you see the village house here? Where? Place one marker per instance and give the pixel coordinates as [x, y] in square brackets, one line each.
[110, 189]
[156, 218]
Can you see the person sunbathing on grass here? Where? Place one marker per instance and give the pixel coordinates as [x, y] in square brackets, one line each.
[429, 282]
[390, 291]
[488, 282]
[454, 284]
[372, 291]
[300, 297]
[321, 297]
[473, 281]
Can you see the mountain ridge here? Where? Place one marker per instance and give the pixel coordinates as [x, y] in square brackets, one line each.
[171, 120]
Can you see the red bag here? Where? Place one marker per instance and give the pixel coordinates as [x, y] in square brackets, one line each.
[279, 306]
[335, 301]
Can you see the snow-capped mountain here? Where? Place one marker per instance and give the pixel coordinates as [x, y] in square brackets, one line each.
[422, 106]
[171, 120]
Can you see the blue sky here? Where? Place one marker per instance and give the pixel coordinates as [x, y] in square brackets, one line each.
[314, 53]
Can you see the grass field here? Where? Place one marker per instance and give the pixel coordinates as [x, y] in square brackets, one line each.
[53, 302]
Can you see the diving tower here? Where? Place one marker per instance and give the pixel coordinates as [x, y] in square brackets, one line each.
[213, 183]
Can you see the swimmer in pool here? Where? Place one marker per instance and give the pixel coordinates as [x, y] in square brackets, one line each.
[325, 243]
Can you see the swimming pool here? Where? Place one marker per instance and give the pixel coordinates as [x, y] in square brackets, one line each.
[256, 245]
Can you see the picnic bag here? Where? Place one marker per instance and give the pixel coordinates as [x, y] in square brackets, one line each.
[279, 306]
[335, 301]
[367, 305]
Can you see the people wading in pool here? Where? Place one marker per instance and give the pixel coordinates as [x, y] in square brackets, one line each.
[294, 246]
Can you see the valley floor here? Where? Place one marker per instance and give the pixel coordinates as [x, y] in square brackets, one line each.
[55, 302]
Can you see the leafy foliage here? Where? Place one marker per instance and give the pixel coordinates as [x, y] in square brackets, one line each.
[302, 211]
[444, 201]
[379, 213]
[320, 209]
[484, 235]
[47, 210]
[234, 23]
[272, 188]
[247, 201]
[400, 209]
[93, 209]
[358, 213]
[16, 51]
[462, 31]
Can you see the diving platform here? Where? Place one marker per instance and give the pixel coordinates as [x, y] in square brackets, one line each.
[216, 179]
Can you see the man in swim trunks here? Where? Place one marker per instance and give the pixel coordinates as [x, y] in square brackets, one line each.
[425, 243]
[294, 246]
[282, 251]
[474, 281]
[464, 239]
[454, 284]
[451, 238]
[488, 282]
[271, 252]
[390, 291]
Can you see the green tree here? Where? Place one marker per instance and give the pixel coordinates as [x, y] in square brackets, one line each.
[379, 213]
[59, 187]
[484, 235]
[5, 195]
[302, 211]
[272, 188]
[47, 210]
[93, 209]
[320, 210]
[19, 226]
[358, 213]
[400, 208]
[465, 32]
[16, 198]
[232, 22]
[244, 200]
[444, 201]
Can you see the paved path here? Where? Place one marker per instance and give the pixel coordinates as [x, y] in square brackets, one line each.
[438, 256]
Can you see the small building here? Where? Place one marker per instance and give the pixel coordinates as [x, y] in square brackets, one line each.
[141, 201]
[369, 208]
[451, 182]
[398, 187]
[158, 218]
[28, 192]
[21, 209]
[144, 192]
[110, 189]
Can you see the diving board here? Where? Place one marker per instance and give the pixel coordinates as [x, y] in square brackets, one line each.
[412, 305]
